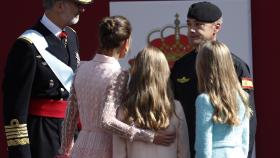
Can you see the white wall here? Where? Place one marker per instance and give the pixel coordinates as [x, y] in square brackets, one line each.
[146, 16]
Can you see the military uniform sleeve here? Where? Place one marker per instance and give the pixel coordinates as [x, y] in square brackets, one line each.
[243, 73]
[173, 80]
[17, 85]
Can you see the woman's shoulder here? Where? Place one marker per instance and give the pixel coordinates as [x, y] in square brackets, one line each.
[121, 72]
[203, 101]
[120, 75]
[203, 97]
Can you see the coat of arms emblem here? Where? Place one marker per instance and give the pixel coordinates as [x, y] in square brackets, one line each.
[175, 44]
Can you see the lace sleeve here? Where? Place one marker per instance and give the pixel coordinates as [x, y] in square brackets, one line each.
[69, 124]
[114, 96]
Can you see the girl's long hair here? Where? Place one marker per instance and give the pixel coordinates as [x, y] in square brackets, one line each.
[217, 77]
[150, 103]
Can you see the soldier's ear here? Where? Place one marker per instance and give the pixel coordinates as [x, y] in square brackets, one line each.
[218, 27]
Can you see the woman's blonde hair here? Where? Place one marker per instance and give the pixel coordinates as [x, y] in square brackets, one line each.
[217, 77]
[150, 103]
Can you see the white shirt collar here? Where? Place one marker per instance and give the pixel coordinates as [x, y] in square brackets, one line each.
[50, 25]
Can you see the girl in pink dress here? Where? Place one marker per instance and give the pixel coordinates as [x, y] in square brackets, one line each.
[150, 105]
[96, 93]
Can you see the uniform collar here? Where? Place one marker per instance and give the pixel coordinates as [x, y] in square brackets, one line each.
[50, 25]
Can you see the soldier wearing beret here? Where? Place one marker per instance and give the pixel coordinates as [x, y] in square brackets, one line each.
[204, 21]
[37, 80]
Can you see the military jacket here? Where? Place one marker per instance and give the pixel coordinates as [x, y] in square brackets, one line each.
[28, 76]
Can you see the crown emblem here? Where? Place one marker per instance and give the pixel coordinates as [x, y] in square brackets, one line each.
[174, 45]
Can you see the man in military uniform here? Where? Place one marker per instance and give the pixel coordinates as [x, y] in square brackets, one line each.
[204, 21]
[37, 80]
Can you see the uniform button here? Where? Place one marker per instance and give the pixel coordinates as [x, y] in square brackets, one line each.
[62, 89]
[51, 83]
[44, 63]
[39, 56]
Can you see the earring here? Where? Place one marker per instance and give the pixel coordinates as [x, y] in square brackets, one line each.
[125, 50]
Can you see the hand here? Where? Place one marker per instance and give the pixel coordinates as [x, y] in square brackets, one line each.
[164, 137]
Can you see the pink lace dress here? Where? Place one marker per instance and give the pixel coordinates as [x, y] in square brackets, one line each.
[96, 94]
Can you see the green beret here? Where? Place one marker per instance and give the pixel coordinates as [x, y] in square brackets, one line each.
[204, 12]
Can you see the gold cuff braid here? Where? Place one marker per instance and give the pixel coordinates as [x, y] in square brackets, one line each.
[16, 134]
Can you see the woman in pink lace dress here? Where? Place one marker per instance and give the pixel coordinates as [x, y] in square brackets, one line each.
[97, 91]
[150, 105]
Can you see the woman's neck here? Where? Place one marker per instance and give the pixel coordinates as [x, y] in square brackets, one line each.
[111, 53]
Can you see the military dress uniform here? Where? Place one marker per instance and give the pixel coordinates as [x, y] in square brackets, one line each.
[34, 98]
[184, 81]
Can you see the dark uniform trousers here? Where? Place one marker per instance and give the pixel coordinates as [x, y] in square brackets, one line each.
[30, 81]
[184, 82]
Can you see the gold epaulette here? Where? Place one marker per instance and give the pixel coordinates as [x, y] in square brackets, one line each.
[26, 39]
[16, 133]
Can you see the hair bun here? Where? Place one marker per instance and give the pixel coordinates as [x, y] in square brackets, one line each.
[109, 26]
[113, 31]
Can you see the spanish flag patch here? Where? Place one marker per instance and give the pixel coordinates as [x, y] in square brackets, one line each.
[247, 83]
